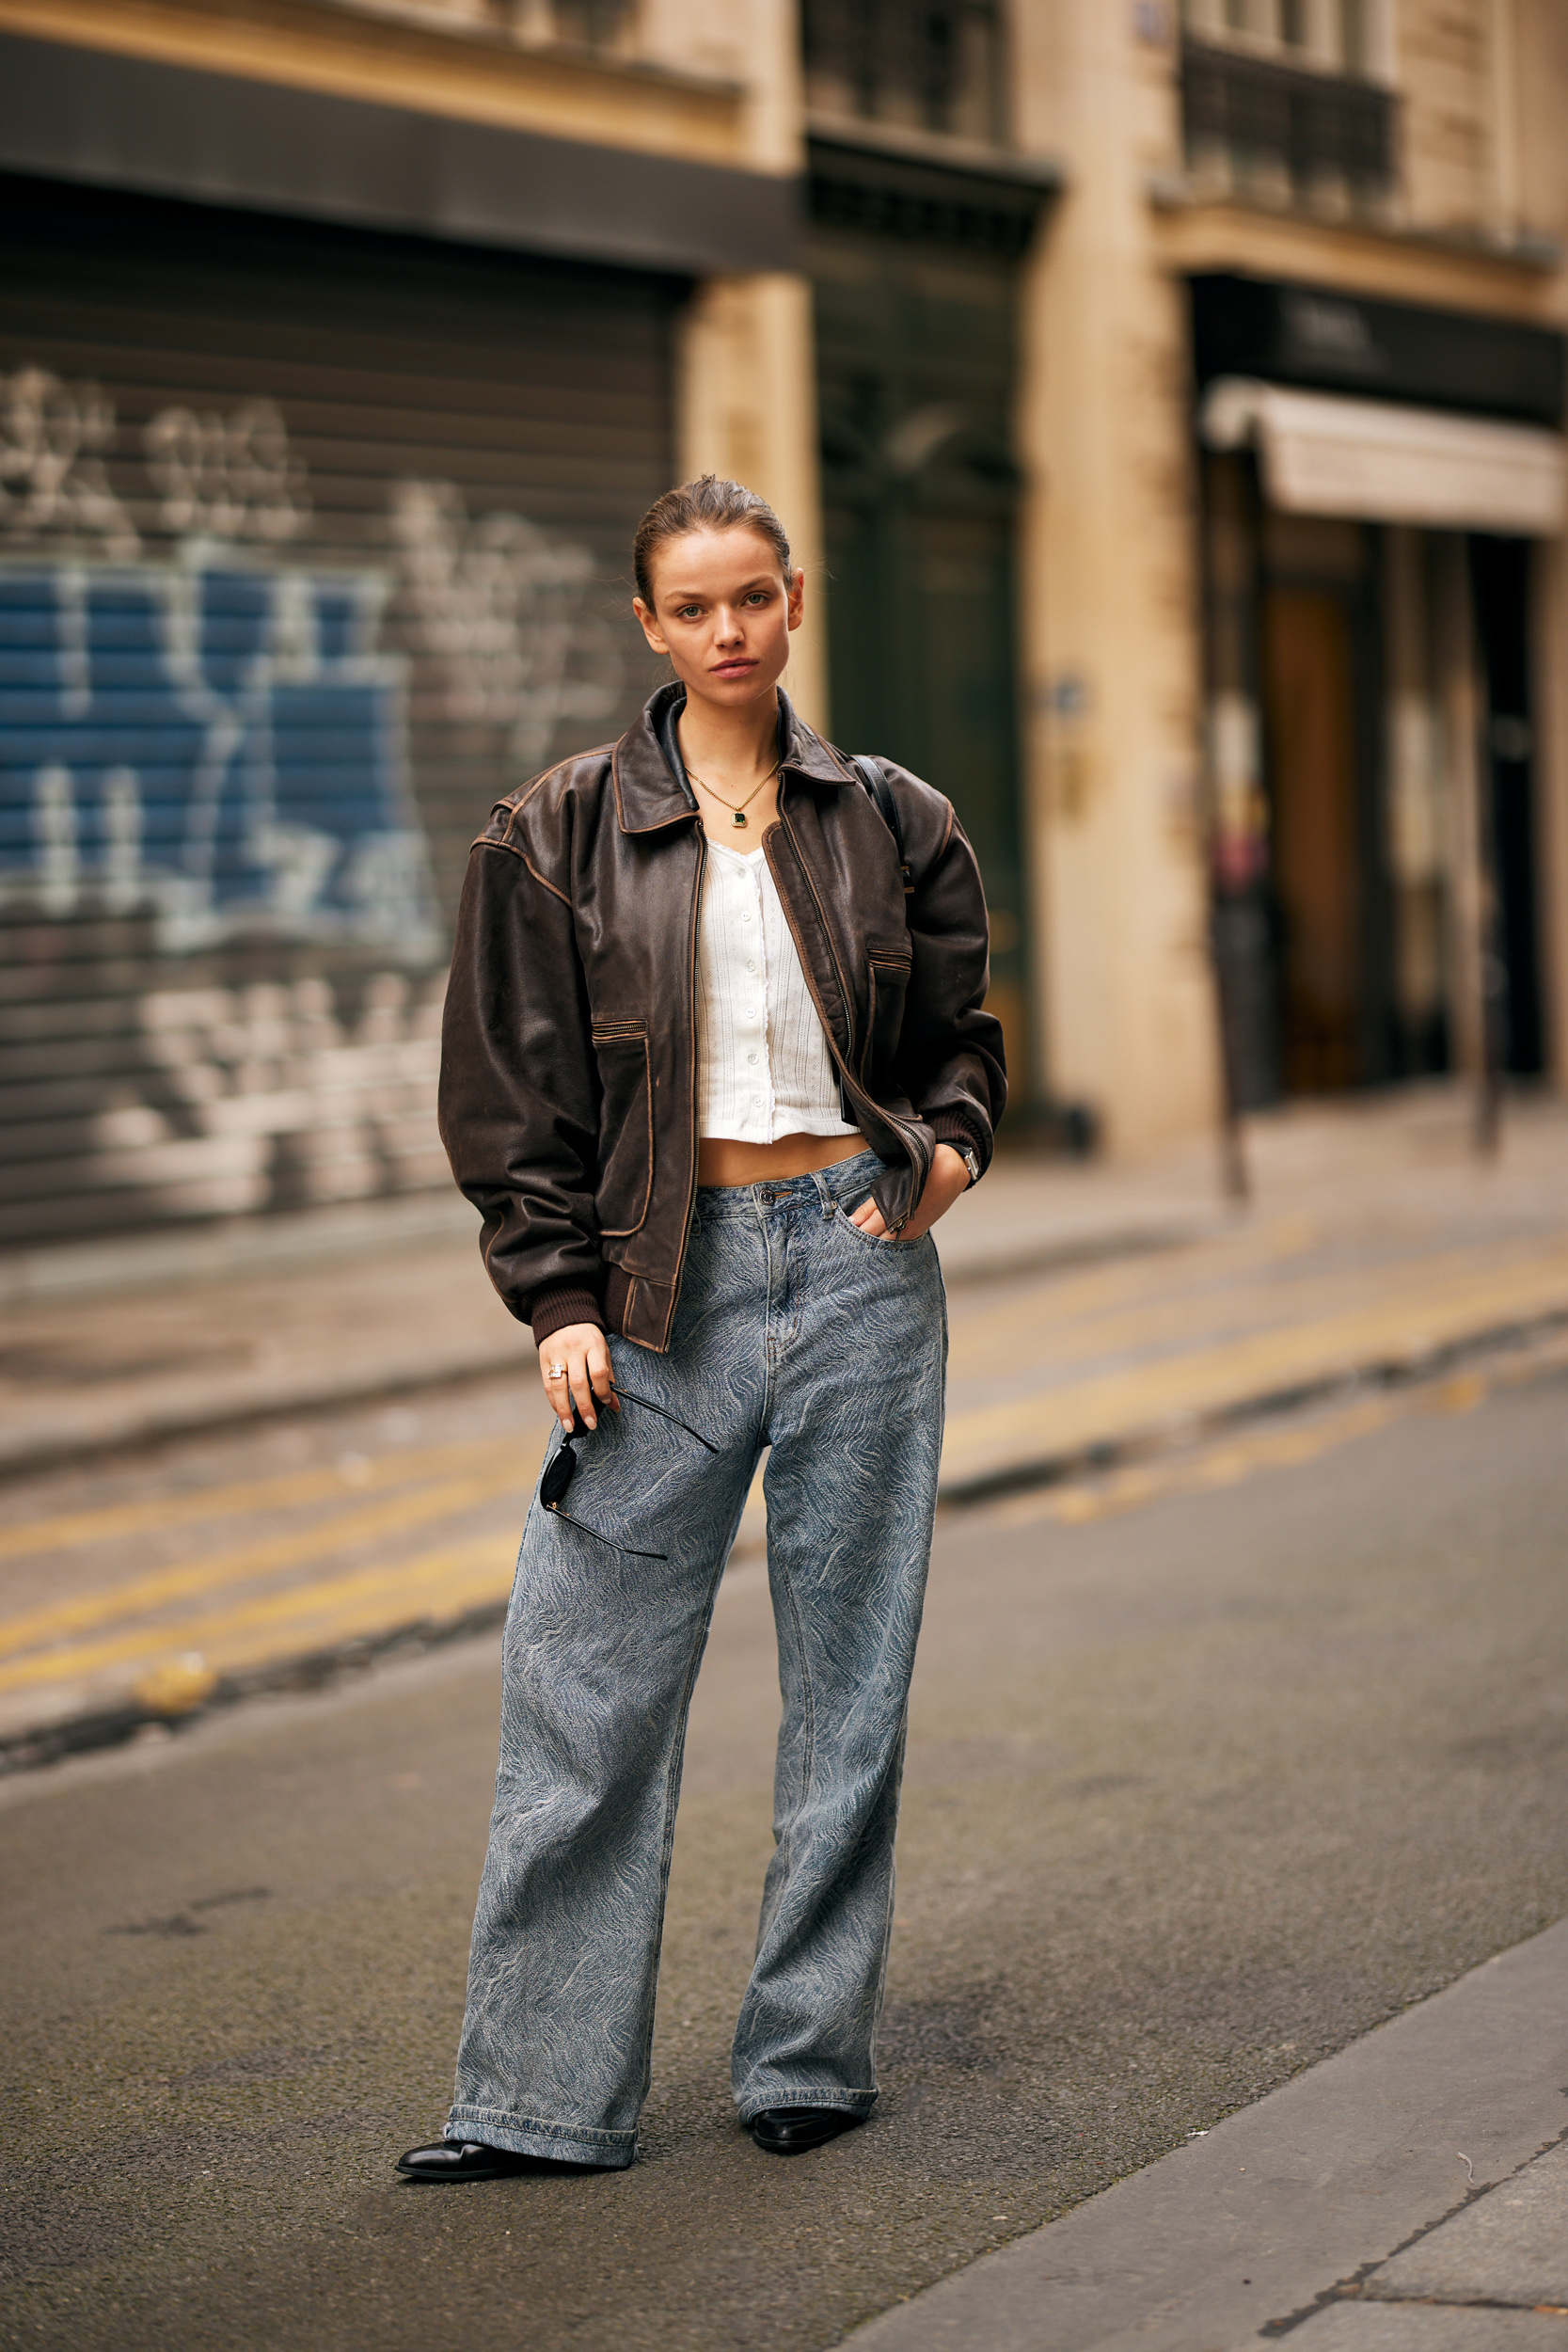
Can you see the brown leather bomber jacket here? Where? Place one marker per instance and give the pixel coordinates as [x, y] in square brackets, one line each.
[568, 1101]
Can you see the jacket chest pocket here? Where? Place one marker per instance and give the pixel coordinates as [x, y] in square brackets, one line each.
[625, 1126]
[888, 962]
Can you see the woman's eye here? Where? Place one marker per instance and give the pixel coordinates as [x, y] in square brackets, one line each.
[688, 611]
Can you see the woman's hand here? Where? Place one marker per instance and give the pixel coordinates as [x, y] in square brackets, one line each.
[574, 1364]
[949, 1176]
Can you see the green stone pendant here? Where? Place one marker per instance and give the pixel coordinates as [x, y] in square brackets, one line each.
[740, 816]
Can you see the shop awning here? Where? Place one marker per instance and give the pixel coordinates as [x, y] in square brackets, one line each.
[69, 112]
[1387, 463]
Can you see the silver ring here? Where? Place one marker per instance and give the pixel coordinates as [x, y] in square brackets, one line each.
[558, 1372]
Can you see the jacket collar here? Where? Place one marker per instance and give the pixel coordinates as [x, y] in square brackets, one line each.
[650, 790]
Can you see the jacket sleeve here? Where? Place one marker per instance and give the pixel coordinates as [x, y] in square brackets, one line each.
[951, 1062]
[519, 1095]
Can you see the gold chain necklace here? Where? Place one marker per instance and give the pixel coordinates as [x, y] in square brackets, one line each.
[737, 808]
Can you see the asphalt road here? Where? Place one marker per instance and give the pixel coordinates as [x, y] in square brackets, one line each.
[1201, 1786]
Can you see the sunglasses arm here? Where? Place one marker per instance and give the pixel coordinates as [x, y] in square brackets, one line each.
[630, 1549]
[649, 1407]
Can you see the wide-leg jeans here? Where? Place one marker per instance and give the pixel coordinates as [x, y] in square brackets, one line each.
[797, 1334]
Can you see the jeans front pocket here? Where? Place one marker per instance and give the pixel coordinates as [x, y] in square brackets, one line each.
[873, 1241]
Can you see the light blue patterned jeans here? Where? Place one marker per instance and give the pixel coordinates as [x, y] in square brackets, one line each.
[797, 1333]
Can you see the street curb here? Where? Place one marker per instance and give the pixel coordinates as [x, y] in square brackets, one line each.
[1312, 2189]
[106, 1727]
[311, 1670]
[1392, 1372]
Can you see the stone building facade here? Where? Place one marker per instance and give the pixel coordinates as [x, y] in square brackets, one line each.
[1294, 630]
[1167, 405]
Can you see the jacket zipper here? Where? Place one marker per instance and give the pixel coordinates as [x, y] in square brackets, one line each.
[691, 1008]
[916, 1156]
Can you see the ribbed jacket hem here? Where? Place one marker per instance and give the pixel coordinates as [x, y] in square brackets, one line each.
[559, 1303]
[954, 1128]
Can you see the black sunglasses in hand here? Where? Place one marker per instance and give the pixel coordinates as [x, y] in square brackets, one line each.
[562, 1468]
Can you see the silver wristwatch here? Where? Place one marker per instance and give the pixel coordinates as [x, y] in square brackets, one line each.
[971, 1159]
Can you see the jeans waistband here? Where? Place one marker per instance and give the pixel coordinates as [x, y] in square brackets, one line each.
[843, 1180]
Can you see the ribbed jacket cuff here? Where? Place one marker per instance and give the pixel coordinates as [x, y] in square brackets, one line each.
[559, 1303]
[954, 1128]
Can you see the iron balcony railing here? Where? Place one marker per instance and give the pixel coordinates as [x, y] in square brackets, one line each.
[1313, 129]
[932, 64]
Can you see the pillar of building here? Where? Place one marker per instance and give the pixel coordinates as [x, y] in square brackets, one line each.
[1126, 1018]
[746, 368]
[746, 393]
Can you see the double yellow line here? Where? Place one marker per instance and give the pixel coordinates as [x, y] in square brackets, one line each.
[36, 1647]
[1399, 1317]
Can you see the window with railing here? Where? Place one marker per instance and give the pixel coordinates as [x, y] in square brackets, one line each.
[926, 65]
[1256, 122]
[1346, 34]
[590, 23]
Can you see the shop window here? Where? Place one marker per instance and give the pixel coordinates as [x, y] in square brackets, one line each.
[931, 68]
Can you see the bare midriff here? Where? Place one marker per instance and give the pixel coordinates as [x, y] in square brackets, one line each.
[722, 1161]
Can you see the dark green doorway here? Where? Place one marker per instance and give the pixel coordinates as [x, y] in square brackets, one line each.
[917, 360]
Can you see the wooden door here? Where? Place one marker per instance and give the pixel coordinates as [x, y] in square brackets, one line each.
[1309, 703]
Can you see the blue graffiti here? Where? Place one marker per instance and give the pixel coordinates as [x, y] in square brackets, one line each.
[221, 744]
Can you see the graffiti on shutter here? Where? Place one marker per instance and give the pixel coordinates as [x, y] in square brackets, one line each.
[501, 608]
[205, 732]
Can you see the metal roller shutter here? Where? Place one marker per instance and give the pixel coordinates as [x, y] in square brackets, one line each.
[310, 544]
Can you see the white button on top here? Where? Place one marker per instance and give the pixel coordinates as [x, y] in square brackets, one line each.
[751, 1057]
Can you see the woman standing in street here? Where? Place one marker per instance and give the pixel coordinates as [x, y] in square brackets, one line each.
[715, 1062]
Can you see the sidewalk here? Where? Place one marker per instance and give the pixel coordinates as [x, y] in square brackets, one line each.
[1104, 1321]
[1379, 1205]
[1409, 2195]
[121, 1343]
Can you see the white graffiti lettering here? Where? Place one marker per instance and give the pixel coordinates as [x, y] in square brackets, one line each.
[503, 609]
[53, 440]
[231, 477]
[277, 1095]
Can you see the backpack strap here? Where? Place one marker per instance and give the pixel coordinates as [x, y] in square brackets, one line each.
[876, 782]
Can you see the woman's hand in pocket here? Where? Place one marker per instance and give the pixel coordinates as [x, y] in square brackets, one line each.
[949, 1176]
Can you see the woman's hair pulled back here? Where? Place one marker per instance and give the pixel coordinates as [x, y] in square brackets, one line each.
[709, 503]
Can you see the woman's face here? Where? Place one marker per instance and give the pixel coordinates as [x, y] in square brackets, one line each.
[723, 612]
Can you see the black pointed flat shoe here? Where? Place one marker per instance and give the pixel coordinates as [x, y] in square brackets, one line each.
[794, 2131]
[466, 2160]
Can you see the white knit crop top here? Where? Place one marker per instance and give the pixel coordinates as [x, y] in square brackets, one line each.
[763, 1065]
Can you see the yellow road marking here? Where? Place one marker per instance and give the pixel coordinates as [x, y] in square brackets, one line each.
[284, 1492]
[1223, 1309]
[450, 1585]
[1056, 1301]
[232, 1567]
[1224, 1465]
[1237, 1457]
[1208, 1378]
[442, 1583]
[344, 1599]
